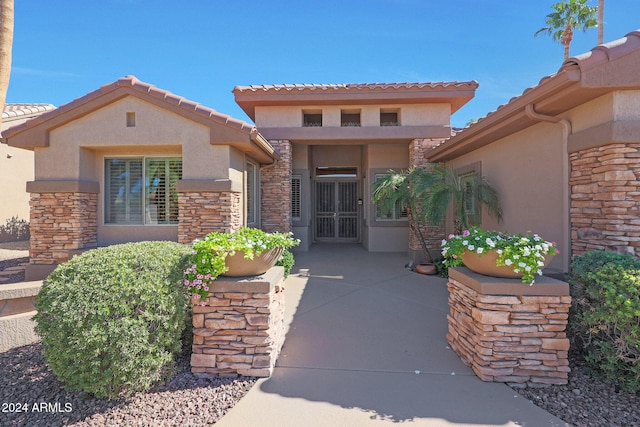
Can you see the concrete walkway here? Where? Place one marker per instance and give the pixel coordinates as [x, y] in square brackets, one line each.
[366, 347]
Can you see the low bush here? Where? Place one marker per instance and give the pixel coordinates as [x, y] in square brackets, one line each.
[112, 318]
[287, 261]
[605, 318]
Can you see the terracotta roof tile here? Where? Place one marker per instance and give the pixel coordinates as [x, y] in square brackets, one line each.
[597, 56]
[22, 110]
[354, 86]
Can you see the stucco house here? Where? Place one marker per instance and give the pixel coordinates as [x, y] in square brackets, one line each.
[16, 165]
[565, 154]
[132, 162]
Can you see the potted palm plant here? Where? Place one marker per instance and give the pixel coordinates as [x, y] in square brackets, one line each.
[428, 193]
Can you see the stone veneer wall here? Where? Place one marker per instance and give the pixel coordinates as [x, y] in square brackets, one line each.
[605, 196]
[61, 223]
[241, 329]
[275, 182]
[505, 335]
[202, 212]
[433, 235]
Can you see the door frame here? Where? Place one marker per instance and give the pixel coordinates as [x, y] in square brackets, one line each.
[358, 199]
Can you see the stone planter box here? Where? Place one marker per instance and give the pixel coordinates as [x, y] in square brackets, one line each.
[507, 331]
[240, 331]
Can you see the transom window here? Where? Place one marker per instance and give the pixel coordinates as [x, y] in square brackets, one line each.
[312, 118]
[141, 190]
[350, 118]
[389, 118]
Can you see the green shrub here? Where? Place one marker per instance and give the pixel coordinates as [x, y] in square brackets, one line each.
[605, 318]
[287, 261]
[111, 319]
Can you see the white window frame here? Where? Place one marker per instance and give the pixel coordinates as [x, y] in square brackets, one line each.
[251, 193]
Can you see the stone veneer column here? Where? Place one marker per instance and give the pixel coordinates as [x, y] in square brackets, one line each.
[605, 196]
[203, 212]
[275, 181]
[63, 220]
[433, 235]
[240, 331]
[508, 331]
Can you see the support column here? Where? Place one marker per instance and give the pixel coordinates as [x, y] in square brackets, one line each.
[275, 181]
[433, 235]
[63, 222]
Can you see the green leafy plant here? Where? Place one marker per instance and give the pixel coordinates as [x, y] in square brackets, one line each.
[605, 315]
[525, 253]
[112, 318]
[428, 193]
[568, 15]
[287, 261]
[208, 255]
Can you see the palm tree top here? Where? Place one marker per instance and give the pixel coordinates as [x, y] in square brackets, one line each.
[568, 15]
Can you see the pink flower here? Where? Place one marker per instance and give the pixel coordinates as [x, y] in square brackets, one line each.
[451, 236]
[465, 233]
[455, 256]
[203, 304]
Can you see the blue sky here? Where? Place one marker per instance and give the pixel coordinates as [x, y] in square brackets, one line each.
[201, 49]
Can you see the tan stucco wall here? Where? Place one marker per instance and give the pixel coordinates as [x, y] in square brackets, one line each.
[77, 151]
[592, 113]
[627, 105]
[16, 168]
[383, 237]
[106, 128]
[410, 115]
[526, 169]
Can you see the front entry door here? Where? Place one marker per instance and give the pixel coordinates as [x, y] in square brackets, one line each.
[336, 216]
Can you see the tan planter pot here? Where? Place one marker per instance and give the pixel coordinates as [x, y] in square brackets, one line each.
[486, 264]
[239, 266]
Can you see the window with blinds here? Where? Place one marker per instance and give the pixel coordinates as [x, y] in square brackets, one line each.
[142, 190]
[252, 193]
[296, 184]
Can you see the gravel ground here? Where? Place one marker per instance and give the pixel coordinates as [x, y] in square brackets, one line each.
[26, 384]
[587, 401]
[190, 401]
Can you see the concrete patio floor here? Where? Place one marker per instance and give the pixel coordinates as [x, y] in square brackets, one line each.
[366, 346]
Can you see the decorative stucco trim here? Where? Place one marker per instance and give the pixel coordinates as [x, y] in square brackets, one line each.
[372, 135]
[208, 185]
[613, 132]
[59, 186]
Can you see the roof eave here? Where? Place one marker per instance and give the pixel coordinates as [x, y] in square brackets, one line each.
[509, 118]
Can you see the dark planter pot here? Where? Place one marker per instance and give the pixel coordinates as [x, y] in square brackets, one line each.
[429, 269]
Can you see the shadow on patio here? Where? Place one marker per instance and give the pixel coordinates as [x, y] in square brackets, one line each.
[366, 343]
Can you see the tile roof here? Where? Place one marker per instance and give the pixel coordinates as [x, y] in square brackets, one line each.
[12, 111]
[571, 70]
[355, 86]
[597, 55]
[132, 83]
